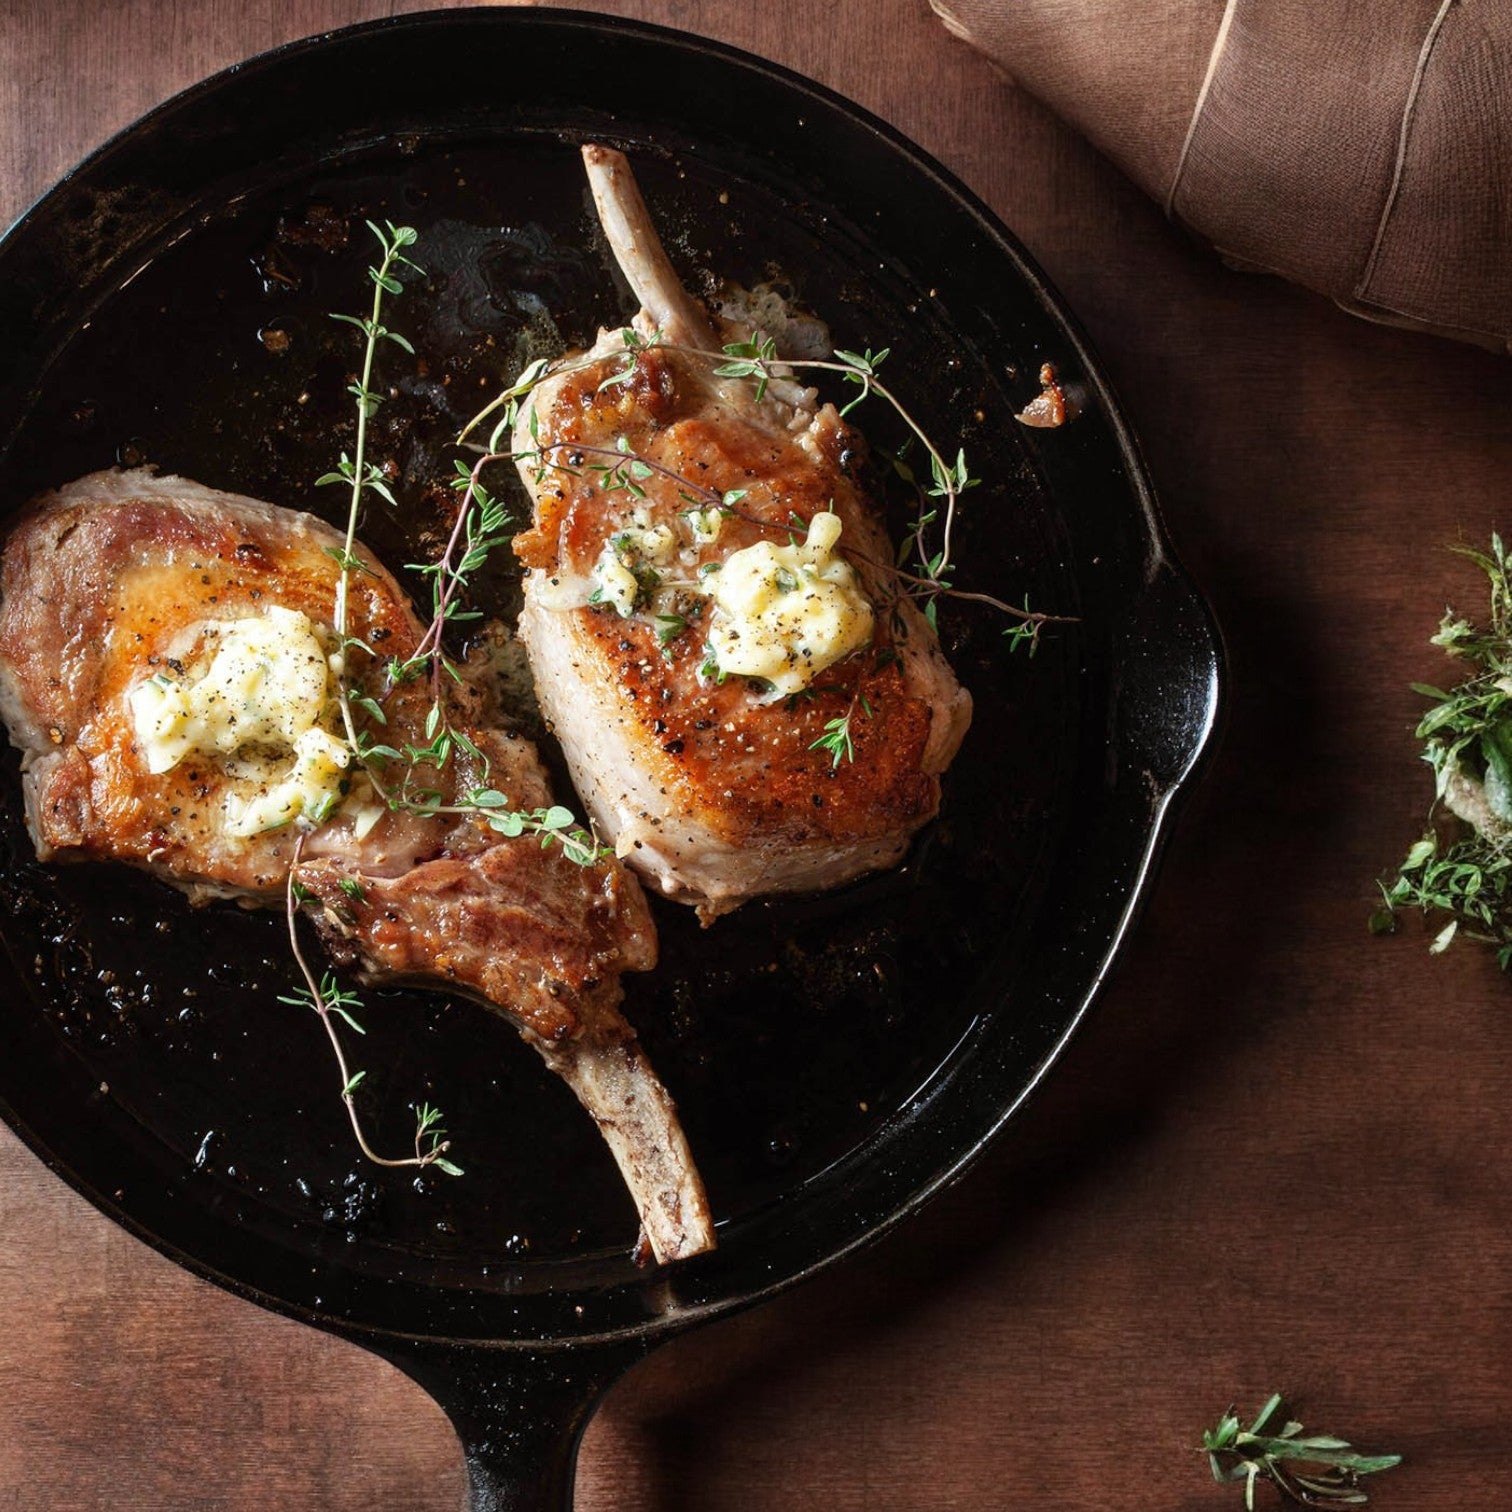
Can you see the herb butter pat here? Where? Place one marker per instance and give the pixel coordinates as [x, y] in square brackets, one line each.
[626, 567]
[262, 697]
[785, 613]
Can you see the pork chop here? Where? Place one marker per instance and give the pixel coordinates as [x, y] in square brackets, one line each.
[124, 594]
[653, 479]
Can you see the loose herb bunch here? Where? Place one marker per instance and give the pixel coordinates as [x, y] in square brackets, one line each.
[1316, 1470]
[1462, 865]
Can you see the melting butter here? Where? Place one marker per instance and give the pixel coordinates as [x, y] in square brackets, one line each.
[785, 613]
[627, 566]
[261, 699]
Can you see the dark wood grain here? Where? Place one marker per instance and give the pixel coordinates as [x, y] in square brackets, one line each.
[1277, 1157]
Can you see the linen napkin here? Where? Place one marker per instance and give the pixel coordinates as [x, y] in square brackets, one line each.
[1360, 147]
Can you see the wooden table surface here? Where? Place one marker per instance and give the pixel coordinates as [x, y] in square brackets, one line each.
[1277, 1157]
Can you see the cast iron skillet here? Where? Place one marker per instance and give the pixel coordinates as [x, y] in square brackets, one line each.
[837, 1060]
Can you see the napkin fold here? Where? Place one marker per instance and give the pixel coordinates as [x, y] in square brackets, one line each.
[1360, 147]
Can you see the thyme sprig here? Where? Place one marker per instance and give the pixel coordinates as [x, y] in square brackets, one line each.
[948, 480]
[480, 527]
[627, 470]
[325, 997]
[553, 825]
[837, 739]
[357, 471]
[1462, 864]
[1316, 1470]
[330, 1001]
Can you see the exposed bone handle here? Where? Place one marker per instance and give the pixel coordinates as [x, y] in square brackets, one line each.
[638, 1119]
[639, 252]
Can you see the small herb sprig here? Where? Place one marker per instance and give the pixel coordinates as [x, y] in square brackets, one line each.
[480, 528]
[1462, 864]
[554, 825]
[939, 498]
[837, 739]
[357, 471]
[1316, 1470]
[330, 1001]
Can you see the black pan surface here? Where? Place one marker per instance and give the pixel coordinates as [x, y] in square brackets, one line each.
[835, 1059]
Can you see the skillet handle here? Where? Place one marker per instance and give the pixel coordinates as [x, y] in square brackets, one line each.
[520, 1413]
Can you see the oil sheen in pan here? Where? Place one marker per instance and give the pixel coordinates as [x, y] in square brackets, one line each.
[790, 1030]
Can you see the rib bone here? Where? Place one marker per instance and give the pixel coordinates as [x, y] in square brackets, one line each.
[638, 249]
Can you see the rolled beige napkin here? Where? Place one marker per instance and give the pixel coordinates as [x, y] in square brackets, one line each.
[1360, 147]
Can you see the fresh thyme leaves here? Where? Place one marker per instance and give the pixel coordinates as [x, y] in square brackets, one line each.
[753, 359]
[668, 628]
[1315, 1470]
[327, 999]
[554, 825]
[481, 526]
[1465, 878]
[1025, 632]
[864, 367]
[837, 738]
[1462, 865]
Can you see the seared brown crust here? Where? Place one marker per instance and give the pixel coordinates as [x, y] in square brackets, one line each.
[499, 925]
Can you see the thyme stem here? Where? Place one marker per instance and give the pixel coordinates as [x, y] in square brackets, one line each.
[359, 480]
[449, 576]
[322, 999]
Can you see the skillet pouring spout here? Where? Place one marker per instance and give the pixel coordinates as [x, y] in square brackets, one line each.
[1169, 703]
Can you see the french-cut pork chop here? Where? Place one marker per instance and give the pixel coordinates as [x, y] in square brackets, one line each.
[144, 621]
[694, 631]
